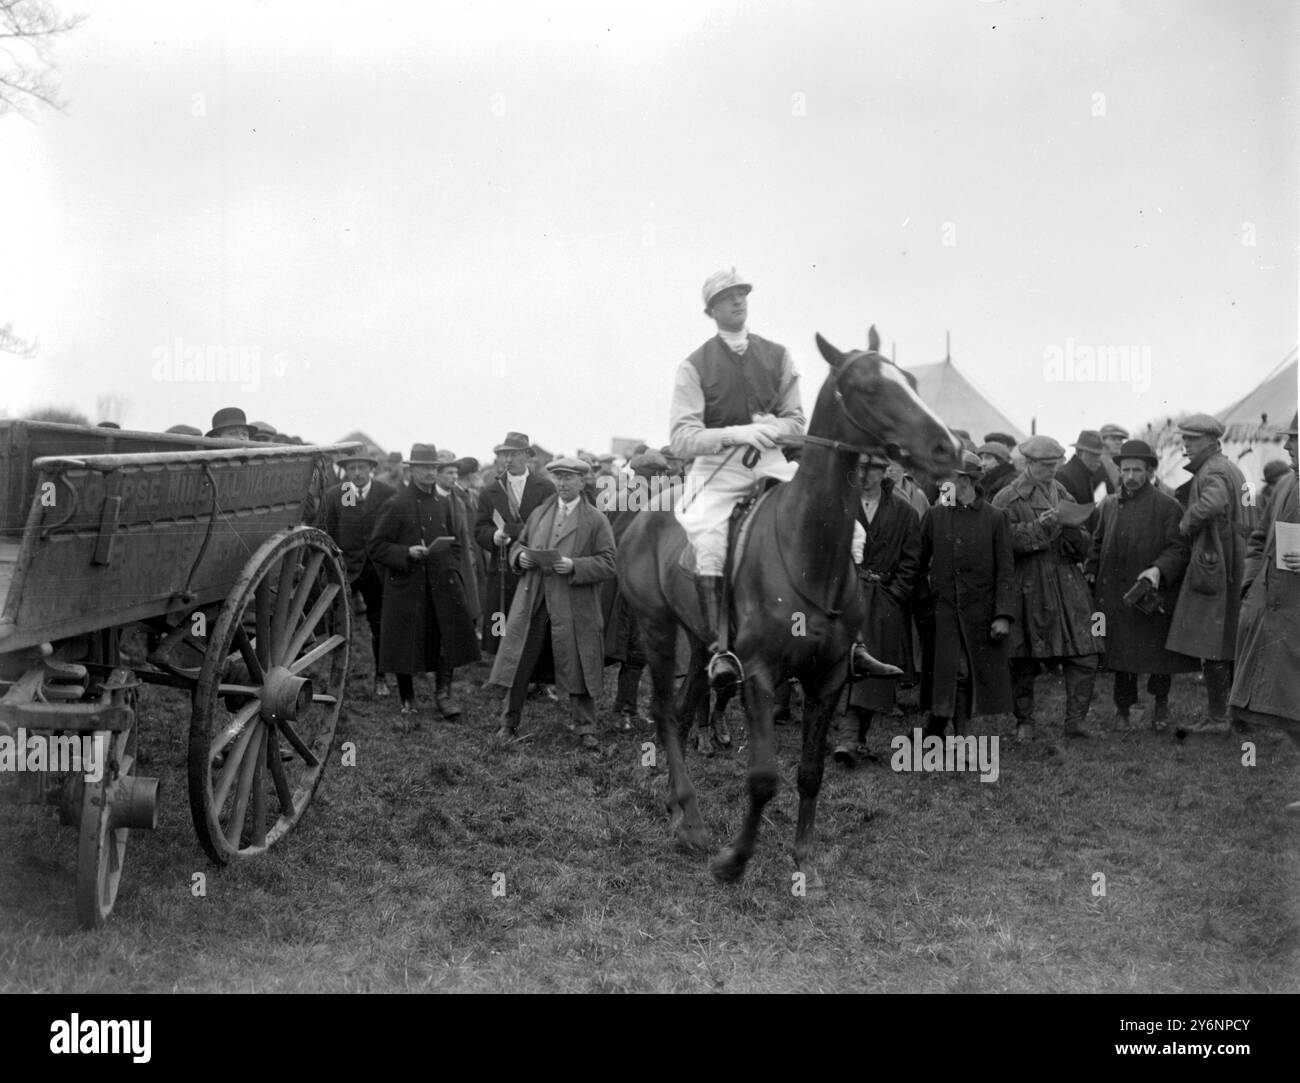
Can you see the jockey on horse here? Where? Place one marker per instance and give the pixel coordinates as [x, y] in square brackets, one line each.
[737, 390]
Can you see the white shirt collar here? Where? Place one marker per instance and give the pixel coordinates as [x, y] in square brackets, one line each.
[444, 493]
[569, 505]
[737, 341]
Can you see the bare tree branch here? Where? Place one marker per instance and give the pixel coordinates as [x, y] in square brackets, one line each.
[31, 24]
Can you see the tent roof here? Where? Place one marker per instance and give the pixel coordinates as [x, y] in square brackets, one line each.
[1266, 409]
[359, 437]
[959, 403]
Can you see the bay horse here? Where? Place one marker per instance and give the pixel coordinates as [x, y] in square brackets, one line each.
[795, 599]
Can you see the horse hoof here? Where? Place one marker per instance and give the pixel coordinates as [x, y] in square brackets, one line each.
[693, 839]
[727, 867]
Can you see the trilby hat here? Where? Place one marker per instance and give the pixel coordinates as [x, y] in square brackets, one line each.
[422, 455]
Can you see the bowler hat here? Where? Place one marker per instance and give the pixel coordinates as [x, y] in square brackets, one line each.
[228, 417]
[1201, 425]
[1138, 449]
[723, 280]
[569, 464]
[422, 455]
[1090, 440]
[1041, 448]
[997, 449]
[514, 441]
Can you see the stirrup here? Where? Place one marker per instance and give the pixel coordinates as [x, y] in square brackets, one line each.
[721, 674]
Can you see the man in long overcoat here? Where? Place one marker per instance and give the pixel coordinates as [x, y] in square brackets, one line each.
[515, 494]
[1137, 538]
[968, 598]
[559, 607]
[1266, 689]
[887, 552]
[348, 514]
[426, 623]
[1054, 607]
[1205, 618]
[448, 480]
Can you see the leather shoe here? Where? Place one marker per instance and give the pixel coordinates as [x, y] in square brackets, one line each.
[843, 755]
[447, 706]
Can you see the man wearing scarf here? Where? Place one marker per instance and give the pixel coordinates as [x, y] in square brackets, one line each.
[1266, 690]
[426, 623]
[1137, 539]
[1054, 618]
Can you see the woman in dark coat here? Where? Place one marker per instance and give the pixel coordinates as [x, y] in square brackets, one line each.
[426, 624]
[969, 581]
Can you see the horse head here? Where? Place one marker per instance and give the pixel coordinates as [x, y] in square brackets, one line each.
[869, 401]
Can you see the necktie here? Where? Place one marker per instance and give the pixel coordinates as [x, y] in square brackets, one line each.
[511, 500]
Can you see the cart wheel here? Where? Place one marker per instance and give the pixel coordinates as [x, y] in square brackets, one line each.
[269, 695]
[101, 848]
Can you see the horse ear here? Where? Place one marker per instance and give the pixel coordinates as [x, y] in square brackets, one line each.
[873, 340]
[833, 356]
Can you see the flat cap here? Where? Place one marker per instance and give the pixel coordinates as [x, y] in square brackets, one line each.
[569, 464]
[1275, 469]
[649, 463]
[1040, 448]
[467, 465]
[1114, 430]
[1201, 425]
[1000, 438]
[971, 466]
[874, 458]
[998, 450]
[185, 430]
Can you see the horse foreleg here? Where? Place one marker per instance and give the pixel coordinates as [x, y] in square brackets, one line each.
[729, 864]
[682, 803]
[817, 714]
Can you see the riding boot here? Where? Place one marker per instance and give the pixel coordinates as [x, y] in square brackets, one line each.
[1218, 683]
[724, 667]
[863, 664]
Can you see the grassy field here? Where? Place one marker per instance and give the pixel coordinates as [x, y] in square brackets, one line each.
[934, 882]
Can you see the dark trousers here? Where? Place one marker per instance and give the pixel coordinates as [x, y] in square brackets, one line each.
[370, 585]
[629, 683]
[1218, 683]
[432, 649]
[1126, 688]
[1080, 674]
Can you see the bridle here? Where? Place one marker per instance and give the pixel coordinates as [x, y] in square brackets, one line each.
[842, 404]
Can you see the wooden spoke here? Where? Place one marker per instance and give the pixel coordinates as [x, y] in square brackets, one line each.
[237, 726]
[324, 697]
[255, 670]
[283, 598]
[282, 791]
[300, 595]
[291, 735]
[258, 837]
[316, 654]
[262, 600]
[247, 769]
[234, 759]
[312, 619]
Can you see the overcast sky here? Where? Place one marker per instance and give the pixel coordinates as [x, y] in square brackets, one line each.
[438, 222]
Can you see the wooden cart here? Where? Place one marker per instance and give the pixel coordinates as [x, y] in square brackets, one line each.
[203, 543]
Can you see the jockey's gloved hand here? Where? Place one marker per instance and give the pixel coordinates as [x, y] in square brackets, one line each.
[759, 434]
